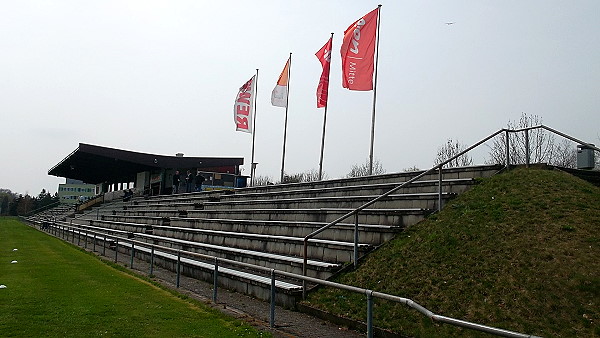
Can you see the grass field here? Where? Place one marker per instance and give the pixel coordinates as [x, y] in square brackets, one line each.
[57, 290]
[520, 251]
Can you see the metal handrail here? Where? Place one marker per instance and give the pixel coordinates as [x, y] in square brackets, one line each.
[436, 167]
[374, 200]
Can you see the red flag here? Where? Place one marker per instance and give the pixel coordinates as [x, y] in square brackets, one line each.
[244, 104]
[324, 55]
[358, 52]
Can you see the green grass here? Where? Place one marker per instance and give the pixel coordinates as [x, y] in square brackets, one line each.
[57, 290]
[520, 251]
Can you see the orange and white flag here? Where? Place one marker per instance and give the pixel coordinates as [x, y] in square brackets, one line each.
[280, 92]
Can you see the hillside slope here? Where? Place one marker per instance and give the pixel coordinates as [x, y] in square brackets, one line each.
[519, 251]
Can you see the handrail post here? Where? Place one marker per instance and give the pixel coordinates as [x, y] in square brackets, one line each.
[272, 305]
[215, 280]
[132, 255]
[116, 248]
[94, 246]
[178, 268]
[304, 264]
[151, 260]
[369, 313]
[507, 149]
[355, 240]
[440, 177]
[527, 147]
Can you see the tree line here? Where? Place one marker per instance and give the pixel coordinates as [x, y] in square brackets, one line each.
[13, 204]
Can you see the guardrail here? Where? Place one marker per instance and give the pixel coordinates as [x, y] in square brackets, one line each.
[90, 203]
[67, 230]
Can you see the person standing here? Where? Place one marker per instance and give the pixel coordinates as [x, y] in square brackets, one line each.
[199, 180]
[176, 181]
[189, 180]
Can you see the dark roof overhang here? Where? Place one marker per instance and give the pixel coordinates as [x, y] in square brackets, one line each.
[96, 164]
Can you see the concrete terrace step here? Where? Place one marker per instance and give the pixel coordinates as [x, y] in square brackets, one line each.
[293, 264]
[315, 268]
[431, 186]
[449, 173]
[388, 217]
[414, 201]
[392, 217]
[324, 249]
[373, 234]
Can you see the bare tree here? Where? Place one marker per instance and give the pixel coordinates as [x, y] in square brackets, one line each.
[262, 180]
[451, 149]
[543, 147]
[307, 176]
[312, 175]
[564, 154]
[360, 170]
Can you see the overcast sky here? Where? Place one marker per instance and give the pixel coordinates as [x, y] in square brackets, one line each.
[161, 77]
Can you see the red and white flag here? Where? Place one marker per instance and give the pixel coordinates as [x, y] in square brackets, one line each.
[243, 107]
[358, 52]
[279, 95]
[324, 55]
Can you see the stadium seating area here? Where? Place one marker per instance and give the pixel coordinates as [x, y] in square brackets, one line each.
[261, 226]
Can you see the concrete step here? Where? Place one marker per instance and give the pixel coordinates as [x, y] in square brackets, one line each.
[448, 174]
[391, 217]
[431, 186]
[394, 201]
[321, 249]
[373, 234]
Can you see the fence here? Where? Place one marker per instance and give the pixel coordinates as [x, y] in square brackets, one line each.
[65, 230]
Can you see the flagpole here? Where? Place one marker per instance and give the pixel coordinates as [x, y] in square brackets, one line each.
[374, 92]
[325, 120]
[286, 117]
[252, 164]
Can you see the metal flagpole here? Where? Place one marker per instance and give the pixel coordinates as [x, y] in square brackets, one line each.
[374, 92]
[252, 164]
[286, 116]
[325, 118]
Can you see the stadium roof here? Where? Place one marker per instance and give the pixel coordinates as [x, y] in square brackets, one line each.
[96, 164]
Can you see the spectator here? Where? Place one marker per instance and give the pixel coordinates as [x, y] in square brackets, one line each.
[189, 180]
[176, 181]
[199, 180]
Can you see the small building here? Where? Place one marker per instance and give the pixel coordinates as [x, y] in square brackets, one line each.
[75, 191]
[112, 169]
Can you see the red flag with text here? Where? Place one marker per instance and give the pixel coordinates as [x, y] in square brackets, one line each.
[358, 53]
[243, 107]
[324, 55]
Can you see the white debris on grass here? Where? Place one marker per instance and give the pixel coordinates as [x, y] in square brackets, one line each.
[15, 249]
[2, 286]
[13, 262]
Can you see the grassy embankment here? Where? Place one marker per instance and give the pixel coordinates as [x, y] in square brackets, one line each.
[520, 251]
[57, 290]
